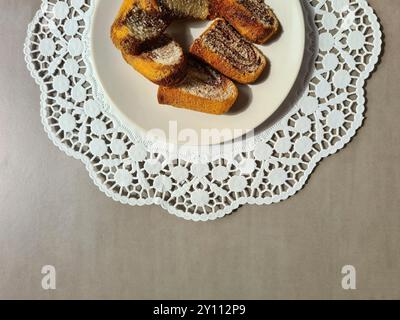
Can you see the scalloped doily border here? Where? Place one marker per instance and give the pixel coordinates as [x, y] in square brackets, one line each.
[370, 67]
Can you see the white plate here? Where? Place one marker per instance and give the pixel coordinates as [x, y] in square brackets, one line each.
[135, 99]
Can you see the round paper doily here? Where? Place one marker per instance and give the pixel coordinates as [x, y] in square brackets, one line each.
[320, 116]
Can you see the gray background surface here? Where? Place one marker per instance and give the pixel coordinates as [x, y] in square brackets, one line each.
[51, 212]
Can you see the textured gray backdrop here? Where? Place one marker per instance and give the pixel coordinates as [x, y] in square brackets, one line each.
[51, 213]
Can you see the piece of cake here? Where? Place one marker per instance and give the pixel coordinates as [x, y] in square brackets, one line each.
[203, 89]
[254, 19]
[227, 51]
[134, 28]
[197, 9]
[163, 63]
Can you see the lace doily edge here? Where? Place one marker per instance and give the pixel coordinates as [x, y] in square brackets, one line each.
[370, 68]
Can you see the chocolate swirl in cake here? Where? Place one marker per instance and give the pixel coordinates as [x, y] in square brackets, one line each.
[165, 51]
[145, 26]
[228, 43]
[205, 82]
[260, 10]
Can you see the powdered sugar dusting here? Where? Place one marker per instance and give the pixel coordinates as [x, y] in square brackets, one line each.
[170, 54]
